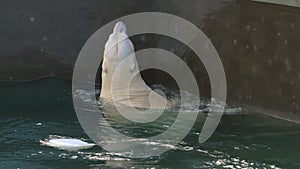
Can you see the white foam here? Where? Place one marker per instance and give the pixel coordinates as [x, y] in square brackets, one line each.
[69, 144]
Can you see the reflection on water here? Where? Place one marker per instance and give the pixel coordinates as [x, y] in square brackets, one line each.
[136, 133]
[241, 141]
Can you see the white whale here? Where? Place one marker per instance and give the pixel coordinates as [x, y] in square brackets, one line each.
[121, 79]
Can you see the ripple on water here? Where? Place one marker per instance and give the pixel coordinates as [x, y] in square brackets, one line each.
[241, 141]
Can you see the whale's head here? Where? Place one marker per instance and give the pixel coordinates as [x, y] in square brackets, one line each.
[119, 58]
[117, 47]
[120, 27]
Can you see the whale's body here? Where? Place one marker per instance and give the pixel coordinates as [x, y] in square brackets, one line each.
[121, 79]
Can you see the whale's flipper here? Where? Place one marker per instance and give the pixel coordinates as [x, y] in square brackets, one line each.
[121, 79]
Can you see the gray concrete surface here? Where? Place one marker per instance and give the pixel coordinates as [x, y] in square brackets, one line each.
[259, 43]
[294, 3]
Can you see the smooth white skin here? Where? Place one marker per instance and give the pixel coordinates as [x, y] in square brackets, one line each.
[121, 80]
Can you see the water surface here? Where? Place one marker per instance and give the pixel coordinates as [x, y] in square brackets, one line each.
[37, 110]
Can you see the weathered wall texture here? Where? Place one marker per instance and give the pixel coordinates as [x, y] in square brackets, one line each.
[259, 43]
[259, 46]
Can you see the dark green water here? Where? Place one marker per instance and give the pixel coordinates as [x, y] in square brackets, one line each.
[33, 111]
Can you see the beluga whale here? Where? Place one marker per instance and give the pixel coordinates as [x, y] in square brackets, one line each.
[122, 82]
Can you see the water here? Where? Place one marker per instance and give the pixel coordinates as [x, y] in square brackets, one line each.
[38, 110]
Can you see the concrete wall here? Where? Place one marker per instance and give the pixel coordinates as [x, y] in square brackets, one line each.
[258, 43]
